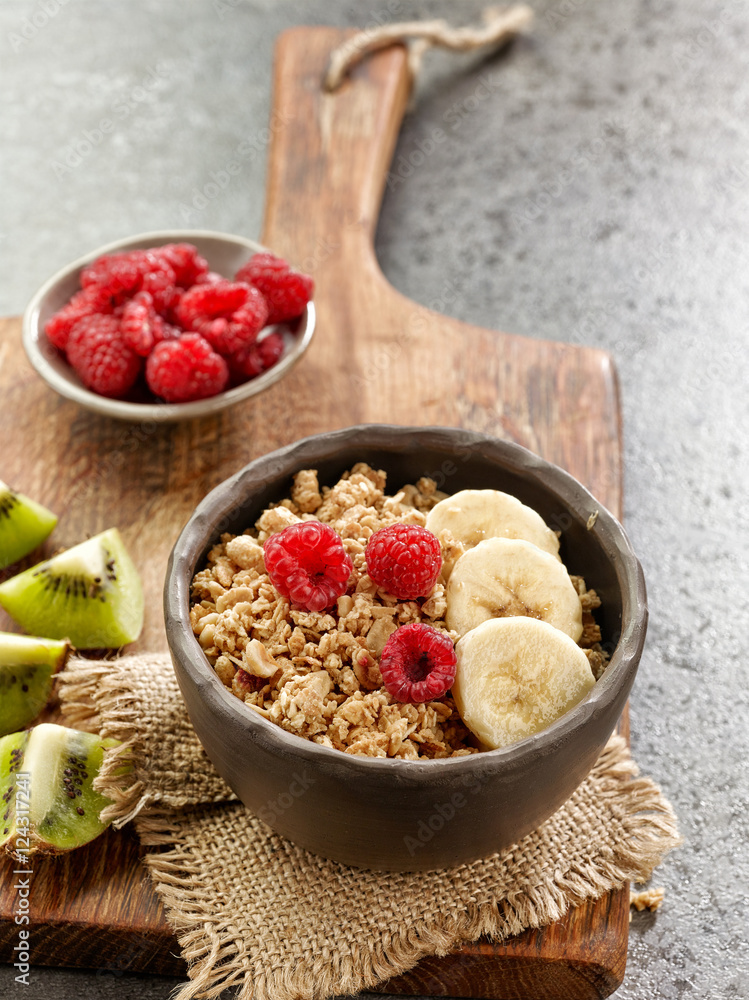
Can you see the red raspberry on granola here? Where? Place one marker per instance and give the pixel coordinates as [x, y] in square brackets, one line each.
[418, 663]
[405, 560]
[307, 563]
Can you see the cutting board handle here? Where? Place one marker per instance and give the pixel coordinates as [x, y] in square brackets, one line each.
[330, 152]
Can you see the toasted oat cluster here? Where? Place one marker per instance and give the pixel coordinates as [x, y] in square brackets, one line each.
[317, 674]
[648, 899]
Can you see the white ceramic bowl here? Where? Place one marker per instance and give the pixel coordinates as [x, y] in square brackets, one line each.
[225, 254]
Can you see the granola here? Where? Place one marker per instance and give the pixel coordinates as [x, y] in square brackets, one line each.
[317, 674]
[648, 899]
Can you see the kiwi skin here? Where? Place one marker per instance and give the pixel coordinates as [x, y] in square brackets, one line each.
[90, 594]
[27, 669]
[24, 524]
[46, 790]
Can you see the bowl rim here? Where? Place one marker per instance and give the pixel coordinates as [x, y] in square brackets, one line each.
[214, 510]
[37, 347]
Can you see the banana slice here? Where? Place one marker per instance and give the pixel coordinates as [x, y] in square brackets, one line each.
[501, 577]
[471, 516]
[515, 676]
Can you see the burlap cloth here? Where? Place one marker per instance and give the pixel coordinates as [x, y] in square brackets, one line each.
[253, 911]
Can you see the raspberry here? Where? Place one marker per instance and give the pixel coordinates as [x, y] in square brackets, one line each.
[404, 559]
[209, 278]
[141, 326]
[228, 314]
[184, 259]
[186, 369]
[86, 302]
[418, 663]
[98, 352]
[117, 274]
[287, 291]
[257, 357]
[307, 563]
[160, 282]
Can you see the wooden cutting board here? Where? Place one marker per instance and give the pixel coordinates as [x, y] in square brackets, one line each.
[376, 357]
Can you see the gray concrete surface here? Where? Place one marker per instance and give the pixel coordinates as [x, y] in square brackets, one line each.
[599, 195]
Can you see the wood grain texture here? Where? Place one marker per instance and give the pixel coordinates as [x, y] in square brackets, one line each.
[376, 356]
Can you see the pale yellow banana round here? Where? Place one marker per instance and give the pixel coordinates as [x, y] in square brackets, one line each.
[515, 676]
[501, 577]
[471, 516]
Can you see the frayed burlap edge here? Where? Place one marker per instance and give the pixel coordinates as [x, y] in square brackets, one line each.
[216, 961]
[93, 699]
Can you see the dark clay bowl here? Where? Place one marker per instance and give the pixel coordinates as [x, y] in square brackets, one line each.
[393, 814]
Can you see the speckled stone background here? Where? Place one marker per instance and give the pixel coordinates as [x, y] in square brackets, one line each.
[592, 187]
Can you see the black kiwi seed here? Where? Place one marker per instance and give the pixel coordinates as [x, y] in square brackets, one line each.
[9, 501]
[81, 811]
[78, 781]
[70, 793]
[24, 688]
[66, 771]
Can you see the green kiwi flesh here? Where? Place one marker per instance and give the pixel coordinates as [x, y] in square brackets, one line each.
[27, 669]
[48, 803]
[90, 594]
[24, 524]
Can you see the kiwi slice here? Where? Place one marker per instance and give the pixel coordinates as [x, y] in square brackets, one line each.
[24, 524]
[90, 594]
[46, 782]
[27, 669]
